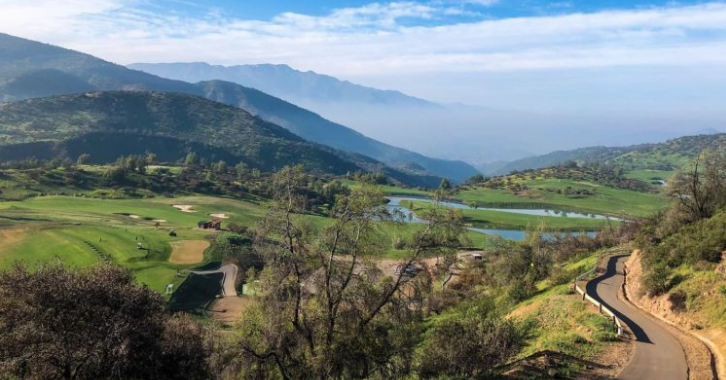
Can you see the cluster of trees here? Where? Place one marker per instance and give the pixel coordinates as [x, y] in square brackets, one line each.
[602, 173]
[693, 230]
[57, 323]
[129, 175]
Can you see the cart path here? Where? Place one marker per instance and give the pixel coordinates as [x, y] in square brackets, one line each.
[658, 354]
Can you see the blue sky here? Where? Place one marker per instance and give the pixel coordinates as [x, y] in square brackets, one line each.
[642, 60]
[265, 10]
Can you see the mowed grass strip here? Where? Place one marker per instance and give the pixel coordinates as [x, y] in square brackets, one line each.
[606, 200]
[85, 245]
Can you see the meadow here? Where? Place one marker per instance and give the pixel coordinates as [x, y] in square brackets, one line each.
[543, 193]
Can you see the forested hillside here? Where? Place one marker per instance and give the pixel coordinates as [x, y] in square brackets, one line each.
[32, 69]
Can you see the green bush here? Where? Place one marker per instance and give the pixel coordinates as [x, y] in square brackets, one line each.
[657, 279]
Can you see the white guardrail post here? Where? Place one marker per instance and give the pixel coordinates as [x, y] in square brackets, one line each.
[585, 297]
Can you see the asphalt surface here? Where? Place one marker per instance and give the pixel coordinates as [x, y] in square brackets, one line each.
[230, 274]
[658, 354]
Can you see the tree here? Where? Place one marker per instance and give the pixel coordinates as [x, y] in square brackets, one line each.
[115, 174]
[445, 184]
[190, 159]
[83, 159]
[220, 167]
[700, 191]
[57, 323]
[327, 312]
[241, 169]
[476, 179]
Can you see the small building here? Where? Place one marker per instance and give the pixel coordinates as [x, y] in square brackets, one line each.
[215, 224]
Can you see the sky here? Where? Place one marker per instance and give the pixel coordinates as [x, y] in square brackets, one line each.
[642, 60]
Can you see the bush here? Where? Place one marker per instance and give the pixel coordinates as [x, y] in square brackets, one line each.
[678, 300]
[469, 344]
[605, 336]
[57, 323]
[657, 279]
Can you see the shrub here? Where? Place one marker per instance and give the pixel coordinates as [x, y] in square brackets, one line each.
[657, 279]
[678, 300]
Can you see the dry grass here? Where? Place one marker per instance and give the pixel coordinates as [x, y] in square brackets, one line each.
[188, 251]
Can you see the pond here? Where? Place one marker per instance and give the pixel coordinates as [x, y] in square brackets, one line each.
[410, 217]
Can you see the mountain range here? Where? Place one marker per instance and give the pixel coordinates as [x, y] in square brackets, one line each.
[31, 69]
[284, 82]
[483, 136]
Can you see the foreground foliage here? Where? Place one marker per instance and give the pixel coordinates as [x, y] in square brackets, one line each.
[57, 323]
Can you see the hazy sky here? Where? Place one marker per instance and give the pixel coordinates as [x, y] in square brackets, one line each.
[635, 58]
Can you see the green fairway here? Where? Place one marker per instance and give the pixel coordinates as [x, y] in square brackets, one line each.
[543, 193]
[85, 231]
[85, 245]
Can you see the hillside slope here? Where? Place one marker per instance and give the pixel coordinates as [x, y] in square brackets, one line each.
[669, 155]
[111, 124]
[32, 69]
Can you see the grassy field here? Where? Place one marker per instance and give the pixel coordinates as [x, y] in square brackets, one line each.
[542, 193]
[508, 220]
[84, 231]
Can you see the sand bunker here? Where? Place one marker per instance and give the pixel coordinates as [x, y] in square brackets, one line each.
[159, 220]
[132, 216]
[229, 310]
[11, 236]
[188, 251]
[220, 216]
[184, 208]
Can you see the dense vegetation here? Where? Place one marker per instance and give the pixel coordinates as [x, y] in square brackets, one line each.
[692, 233]
[92, 324]
[147, 116]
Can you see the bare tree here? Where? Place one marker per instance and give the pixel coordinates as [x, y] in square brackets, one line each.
[700, 191]
[328, 311]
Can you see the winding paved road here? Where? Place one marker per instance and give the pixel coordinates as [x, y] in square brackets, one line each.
[658, 354]
[230, 274]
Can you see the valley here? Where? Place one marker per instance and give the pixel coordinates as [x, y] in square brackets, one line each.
[199, 225]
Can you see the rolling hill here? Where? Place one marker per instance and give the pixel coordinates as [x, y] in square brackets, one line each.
[107, 125]
[669, 155]
[32, 69]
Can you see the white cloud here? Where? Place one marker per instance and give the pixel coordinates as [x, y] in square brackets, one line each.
[372, 39]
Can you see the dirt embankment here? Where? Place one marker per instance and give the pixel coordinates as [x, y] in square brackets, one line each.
[703, 353]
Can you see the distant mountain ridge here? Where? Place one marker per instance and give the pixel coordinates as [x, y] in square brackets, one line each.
[32, 69]
[282, 81]
[668, 155]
